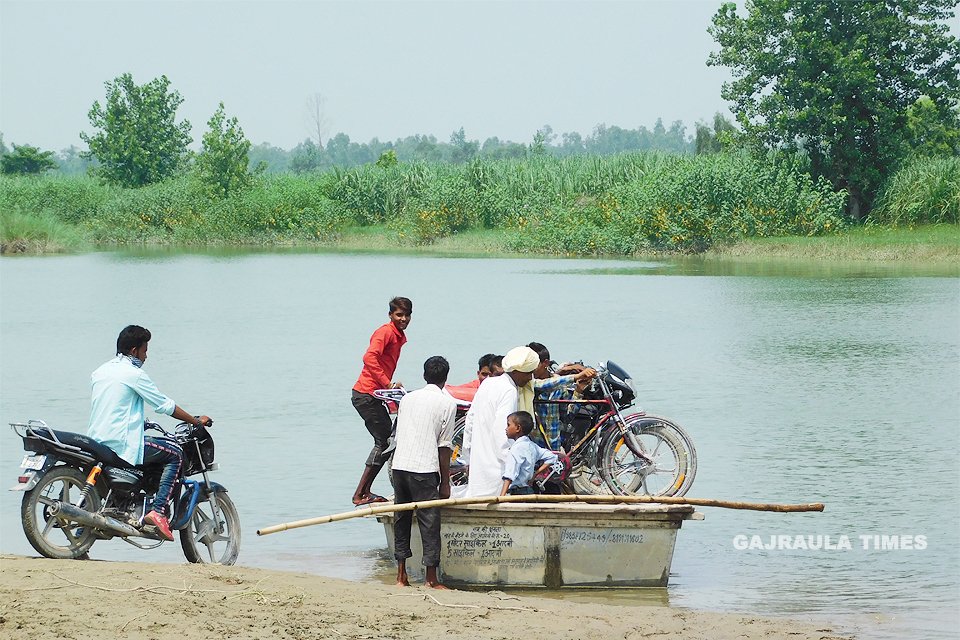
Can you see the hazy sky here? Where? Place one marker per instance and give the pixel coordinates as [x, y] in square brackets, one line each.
[386, 69]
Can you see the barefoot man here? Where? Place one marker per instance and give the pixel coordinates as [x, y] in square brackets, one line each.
[421, 466]
[379, 364]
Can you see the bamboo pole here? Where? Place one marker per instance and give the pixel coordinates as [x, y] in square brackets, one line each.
[549, 499]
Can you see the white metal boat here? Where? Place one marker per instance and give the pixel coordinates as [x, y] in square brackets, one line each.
[553, 545]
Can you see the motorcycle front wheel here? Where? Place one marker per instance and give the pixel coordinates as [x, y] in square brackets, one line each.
[51, 536]
[672, 463]
[458, 473]
[199, 538]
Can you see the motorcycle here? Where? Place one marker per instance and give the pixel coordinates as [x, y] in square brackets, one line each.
[618, 453]
[77, 491]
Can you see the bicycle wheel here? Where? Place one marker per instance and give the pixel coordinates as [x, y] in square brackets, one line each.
[200, 541]
[50, 535]
[669, 467]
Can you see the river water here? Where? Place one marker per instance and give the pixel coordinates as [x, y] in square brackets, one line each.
[797, 382]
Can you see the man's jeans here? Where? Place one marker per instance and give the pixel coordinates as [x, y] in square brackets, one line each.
[378, 423]
[161, 451]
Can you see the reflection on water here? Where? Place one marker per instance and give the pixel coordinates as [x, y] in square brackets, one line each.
[797, 383]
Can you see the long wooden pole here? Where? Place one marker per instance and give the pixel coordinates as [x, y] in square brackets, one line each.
[600, 499]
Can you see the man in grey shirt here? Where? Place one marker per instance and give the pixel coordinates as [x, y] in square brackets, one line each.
[421, 466]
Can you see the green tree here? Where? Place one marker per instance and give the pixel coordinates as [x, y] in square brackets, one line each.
[223, 164]
[932, 133]
[138, 140]
[387, 159]
[274, 159]
[306, 157]
[835, 78]
[25, 159]
[542, 140]
[713, 140]
[462, 150]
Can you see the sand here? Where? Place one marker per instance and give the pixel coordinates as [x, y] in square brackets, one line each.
[41, 599]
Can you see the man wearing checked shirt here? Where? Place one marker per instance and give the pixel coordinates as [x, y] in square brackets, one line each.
[553, 387]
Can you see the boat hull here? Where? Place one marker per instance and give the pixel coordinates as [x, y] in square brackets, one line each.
[553, 545]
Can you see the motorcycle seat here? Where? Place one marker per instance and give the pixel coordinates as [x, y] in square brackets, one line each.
[100, 451]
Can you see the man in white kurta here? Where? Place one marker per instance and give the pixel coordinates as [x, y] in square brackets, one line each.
[485, 440]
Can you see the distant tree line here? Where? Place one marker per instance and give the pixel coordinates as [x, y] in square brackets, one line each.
[135, 118]
[341, 151]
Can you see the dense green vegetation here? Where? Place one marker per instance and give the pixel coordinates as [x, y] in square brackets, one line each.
[620, 205]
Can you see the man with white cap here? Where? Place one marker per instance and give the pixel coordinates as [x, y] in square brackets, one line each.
[484, 439]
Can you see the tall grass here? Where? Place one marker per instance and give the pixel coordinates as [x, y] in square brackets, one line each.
[576, 205]
[280, 208]
[22, 232]
[924, 191]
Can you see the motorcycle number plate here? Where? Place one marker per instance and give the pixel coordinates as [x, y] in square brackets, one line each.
[33, 462]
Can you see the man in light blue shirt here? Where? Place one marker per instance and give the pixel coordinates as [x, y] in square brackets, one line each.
[119, 389]
[525, 458]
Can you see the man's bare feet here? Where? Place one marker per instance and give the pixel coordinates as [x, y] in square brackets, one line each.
[402, 579]
[432, 581]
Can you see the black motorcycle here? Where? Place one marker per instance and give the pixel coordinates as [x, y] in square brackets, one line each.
[78, 491]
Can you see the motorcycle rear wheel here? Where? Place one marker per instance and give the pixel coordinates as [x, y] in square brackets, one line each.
[585, 477]
[53, 537]
[199, 539]
[674, 459]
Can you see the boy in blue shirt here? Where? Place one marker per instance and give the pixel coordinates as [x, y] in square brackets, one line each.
[525, 458]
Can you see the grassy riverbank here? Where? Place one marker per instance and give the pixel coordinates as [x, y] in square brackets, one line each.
[927, 244]
[730, 204]
[938, 244]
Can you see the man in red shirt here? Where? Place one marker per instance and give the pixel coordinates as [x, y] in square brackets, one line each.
[379, 364]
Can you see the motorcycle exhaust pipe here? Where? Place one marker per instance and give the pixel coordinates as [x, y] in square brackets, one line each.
[105, 523]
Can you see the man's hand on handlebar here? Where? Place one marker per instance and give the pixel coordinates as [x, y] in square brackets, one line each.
[584, 377]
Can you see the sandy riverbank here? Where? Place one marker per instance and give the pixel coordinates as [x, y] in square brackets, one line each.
[46, 599]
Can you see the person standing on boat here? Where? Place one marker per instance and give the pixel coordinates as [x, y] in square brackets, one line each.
[119, 388]
[379, 365]
[485, 442]
[421, 466]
